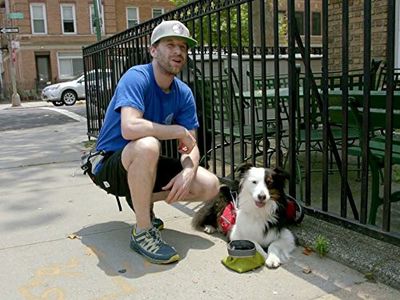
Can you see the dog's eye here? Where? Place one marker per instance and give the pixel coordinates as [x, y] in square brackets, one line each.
[254, 182]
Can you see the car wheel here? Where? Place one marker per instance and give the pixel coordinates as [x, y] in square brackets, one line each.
[57, 103]
[69, 97]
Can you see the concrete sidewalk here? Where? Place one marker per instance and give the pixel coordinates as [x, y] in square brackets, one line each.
[64, 238]
[27, 104]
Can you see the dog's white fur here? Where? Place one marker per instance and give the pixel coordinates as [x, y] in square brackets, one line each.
[256, 212]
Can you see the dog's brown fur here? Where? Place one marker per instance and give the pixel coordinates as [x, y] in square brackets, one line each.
[209, 213]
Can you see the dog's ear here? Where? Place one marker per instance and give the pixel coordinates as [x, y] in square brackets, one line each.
[280, 176]
[281, 172]
[243, 168]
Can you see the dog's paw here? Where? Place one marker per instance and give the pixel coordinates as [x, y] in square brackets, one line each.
[272, 261]
[209, 229]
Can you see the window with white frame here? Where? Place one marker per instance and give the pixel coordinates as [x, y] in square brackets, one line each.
[132, 16]
[92, 18]
[68, 21]
[70, 64]
[156, 12]
[38, 18]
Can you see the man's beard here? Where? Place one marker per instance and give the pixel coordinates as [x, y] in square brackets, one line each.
[168, 69]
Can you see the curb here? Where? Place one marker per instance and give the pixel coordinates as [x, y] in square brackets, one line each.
[377, 260]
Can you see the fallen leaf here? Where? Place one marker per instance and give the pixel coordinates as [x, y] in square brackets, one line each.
[308, 251]
[72, 236]
[307, 270]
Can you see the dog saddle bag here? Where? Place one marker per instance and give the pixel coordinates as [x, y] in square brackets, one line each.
[294, 211]
[227, 218]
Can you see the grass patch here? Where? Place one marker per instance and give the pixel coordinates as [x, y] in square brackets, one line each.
[321, 245]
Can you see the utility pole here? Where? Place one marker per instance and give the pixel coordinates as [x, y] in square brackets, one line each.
[12, 52]
[1, 76]
[97, 18]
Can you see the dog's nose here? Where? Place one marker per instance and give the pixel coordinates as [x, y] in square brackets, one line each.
[261, 197]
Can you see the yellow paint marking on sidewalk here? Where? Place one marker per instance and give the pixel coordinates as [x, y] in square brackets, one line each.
[38, 286]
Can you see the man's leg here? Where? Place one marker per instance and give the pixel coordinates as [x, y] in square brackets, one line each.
[205, 187]
[140, 159]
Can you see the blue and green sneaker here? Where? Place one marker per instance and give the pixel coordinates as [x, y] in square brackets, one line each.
[150, 245]
[157, 223]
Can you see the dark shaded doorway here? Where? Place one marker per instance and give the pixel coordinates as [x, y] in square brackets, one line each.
[43, 71]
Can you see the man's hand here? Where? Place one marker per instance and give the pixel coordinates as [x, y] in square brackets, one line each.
[187, 143]
[179, 186]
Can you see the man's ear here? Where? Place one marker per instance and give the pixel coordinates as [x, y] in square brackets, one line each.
[153, 51]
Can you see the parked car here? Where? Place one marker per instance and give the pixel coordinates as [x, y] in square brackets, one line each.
[67, 92]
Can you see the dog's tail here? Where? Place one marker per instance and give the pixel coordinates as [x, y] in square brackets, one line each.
[208, 214]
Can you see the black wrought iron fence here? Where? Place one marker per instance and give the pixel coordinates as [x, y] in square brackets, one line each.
[266, 95]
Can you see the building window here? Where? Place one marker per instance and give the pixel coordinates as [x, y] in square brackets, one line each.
[92, 18]
[70, 65]
[300, 21]
[68, 18]
[132, 16]
[38, 18]
[156, 12]
[316, 23]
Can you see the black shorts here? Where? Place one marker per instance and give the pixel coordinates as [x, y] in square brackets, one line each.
[112, 177]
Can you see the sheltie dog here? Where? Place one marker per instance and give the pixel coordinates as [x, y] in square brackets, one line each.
[260, 213]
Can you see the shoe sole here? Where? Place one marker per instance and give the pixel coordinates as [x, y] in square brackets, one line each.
[172, 259]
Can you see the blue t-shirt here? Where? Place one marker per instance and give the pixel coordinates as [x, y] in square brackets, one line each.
[137, 88]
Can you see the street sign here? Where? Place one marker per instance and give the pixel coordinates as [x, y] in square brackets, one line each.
[16, 16]
[9, 30]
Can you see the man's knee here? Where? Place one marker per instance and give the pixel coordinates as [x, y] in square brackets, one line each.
[148, 147]
[214, 186]
[146, 150]
[210, 185]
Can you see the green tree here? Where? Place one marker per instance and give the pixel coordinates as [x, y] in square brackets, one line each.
[223, 26]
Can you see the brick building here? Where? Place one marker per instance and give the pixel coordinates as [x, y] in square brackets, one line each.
[48, 46]
[379, 11]
[315, 21]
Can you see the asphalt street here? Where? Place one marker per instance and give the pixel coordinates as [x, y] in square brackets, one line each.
[12, 118]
